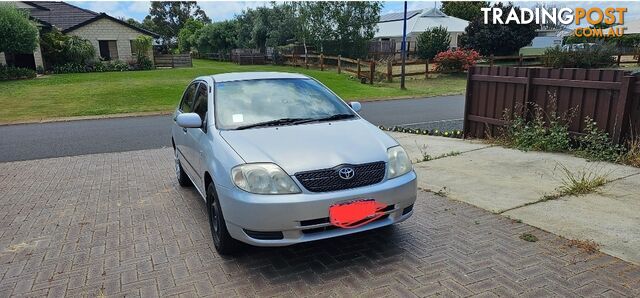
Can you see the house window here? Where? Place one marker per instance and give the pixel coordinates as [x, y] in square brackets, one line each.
[108, 49]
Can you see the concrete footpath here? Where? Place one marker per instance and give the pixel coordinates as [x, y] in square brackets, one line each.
[512, 183]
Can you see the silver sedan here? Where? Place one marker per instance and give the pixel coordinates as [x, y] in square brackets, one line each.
[280, 159]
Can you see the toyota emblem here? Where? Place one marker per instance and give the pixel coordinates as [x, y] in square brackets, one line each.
[346, 173]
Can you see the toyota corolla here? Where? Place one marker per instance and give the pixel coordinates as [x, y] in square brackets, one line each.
[280, 159]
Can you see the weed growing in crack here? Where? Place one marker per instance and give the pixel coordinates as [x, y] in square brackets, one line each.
[632, 156]
[528, 237]
[588, 246]
[442, 192]
[579, 183]
[428, 157]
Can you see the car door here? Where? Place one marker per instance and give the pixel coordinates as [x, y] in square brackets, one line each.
[180, 133]
[197, 137]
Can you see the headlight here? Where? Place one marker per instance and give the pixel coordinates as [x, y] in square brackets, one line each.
[263, 178]
[399, 162]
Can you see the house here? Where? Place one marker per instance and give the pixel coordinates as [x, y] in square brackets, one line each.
[418, 21]
[112, 38]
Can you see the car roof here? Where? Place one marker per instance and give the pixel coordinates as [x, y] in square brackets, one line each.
[241, 76]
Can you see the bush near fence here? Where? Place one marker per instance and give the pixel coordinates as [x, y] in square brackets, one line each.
[610, 97]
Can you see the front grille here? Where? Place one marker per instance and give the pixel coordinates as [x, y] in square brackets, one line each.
[329, 180]
[329, 228]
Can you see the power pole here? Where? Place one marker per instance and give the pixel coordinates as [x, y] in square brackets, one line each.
[404, 45]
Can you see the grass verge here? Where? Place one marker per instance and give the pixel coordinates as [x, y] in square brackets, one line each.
[85, 94]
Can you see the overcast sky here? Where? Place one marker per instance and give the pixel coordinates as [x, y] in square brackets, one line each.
[219, 11]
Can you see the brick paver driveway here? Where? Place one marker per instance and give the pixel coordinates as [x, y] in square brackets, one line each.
[117, 224]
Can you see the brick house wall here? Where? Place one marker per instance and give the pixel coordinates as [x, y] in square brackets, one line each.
[105, 29]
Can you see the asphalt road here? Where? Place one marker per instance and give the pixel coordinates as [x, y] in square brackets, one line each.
[55, 139]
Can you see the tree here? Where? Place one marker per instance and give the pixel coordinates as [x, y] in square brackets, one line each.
[469, 10]
[17, 33]
[216, 37]
[549, 25]
[433, 41]
[169, 17]
[355, 24]
[498, 39]
[186, 36]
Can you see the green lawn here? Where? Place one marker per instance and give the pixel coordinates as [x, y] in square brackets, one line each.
[84, 94]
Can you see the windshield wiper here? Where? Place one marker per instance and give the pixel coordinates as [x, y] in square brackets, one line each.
[328, 118]
[276, 122]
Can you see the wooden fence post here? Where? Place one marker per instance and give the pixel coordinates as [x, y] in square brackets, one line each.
[623, 108]
[467, 104]
[339, 64]
[372, 71]
[389, 71]
[520, 60]
[618, 61]
[426, 70]
[321, 61]
[293, 58]
[491, 60]
[358, 72]
[531, 74]
[306, 60]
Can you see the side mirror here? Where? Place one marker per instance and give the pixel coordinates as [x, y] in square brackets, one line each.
[189, 120]
[356, 106]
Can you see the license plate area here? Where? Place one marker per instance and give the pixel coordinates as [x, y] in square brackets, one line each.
[353, 214]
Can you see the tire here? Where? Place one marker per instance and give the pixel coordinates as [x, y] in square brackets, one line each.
[181, 176]
[224, 244]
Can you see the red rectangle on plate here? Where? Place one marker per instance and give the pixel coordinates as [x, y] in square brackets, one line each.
[355, 213]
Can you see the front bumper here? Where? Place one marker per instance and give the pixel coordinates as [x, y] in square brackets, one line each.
[302, 217]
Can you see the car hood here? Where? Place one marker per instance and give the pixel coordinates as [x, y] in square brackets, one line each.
[311, 146]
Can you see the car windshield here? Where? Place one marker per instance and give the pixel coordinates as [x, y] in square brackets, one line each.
[269, 102]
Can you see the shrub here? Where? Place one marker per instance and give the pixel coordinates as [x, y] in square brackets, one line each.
[59, 49]
[596, 56]
[97, 66]
[433, 41]
[15, 73]
[141, 48]
[595, 144]
[538, 134]
[17, 33]
[78, 50]
[456, 60]
[70, 68]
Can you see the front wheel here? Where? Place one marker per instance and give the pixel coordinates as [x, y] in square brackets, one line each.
[222, 241]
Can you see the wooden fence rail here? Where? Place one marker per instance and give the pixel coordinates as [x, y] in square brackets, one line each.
[610, 97]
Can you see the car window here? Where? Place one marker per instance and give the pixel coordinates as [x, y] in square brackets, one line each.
[241, 103]
[200, 103]
[186, 105]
